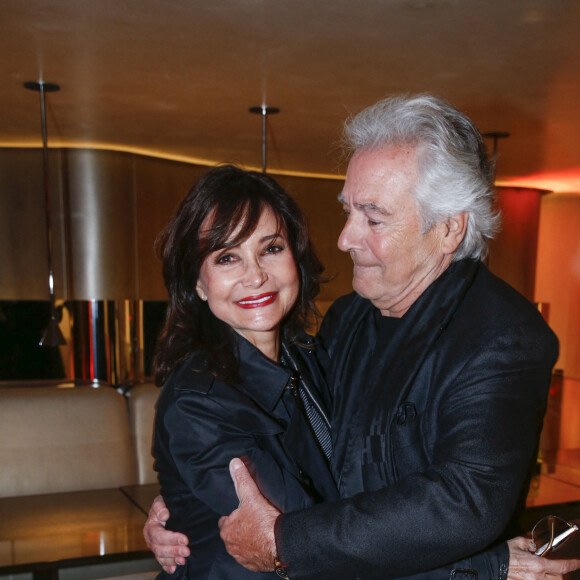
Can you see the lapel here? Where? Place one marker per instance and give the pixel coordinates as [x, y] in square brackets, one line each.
[261, 378]
[299, 437]
[300, 444]
[414, 339]
[298, 441]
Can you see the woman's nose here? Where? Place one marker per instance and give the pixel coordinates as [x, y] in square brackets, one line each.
[255, 275]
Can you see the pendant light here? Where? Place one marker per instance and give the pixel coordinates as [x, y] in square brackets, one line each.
[52, 335]
[496, 136]
[264, 111]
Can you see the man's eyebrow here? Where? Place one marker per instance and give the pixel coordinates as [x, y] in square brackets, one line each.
[370, 206]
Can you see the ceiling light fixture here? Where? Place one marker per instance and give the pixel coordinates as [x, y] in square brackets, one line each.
[496, 136]
[52, 335]
[264, 111]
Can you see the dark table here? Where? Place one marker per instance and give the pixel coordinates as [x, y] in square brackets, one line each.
[45, 533]
[142, 495]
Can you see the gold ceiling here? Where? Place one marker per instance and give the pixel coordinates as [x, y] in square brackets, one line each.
[176, 77]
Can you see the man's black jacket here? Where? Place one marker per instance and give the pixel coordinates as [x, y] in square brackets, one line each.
[439, 429]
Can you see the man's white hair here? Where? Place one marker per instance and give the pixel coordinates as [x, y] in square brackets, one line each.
[454, 172]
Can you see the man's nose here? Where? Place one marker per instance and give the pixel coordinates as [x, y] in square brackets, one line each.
[347, 238]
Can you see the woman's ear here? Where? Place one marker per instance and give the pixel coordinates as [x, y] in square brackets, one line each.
[200, 291]
[455, 229]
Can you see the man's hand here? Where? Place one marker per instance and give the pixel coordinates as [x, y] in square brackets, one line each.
[170, 548]
[525, 565]
[248, 532]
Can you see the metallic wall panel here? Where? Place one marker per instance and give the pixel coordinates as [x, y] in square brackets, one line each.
[23, 253]
[107, 343]
[318, 199]
[102, 221]
[161, 185]
[108, 209]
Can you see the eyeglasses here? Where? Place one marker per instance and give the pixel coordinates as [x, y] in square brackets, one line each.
[550, 533]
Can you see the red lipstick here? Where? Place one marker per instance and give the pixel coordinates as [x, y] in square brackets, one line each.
[257, 301]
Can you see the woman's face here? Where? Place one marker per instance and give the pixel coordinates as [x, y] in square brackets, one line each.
[252, 286]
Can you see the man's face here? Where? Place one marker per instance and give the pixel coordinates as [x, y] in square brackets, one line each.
[394, 261]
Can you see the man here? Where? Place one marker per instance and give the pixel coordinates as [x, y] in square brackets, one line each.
[439, 371]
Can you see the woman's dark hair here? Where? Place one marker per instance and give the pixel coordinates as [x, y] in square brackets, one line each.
[235, 199]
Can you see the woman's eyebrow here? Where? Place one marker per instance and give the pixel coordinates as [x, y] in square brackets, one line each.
[271, 237]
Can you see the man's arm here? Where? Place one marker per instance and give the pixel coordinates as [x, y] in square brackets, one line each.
[186, 433]
[248, 533]
[170, 548]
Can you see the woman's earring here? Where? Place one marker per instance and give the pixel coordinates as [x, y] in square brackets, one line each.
[201, 294]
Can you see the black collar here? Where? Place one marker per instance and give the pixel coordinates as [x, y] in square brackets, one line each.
[262, 379]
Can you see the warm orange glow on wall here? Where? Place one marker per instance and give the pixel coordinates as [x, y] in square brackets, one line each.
[567, 180]
[513, 252]
[558, 274]
[570, 411]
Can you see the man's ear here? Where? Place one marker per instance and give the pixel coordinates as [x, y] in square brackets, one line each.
[454, 232]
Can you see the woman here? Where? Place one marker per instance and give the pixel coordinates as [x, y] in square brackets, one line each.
[235, 362]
